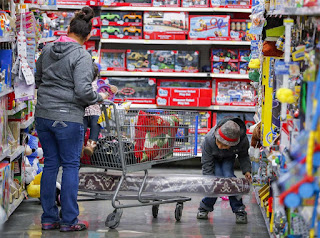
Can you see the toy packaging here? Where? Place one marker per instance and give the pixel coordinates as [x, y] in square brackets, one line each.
[195, 3]
[170, 93]
[231, 3]
[113, 18]
[135, 90]
[162, 60]
[138, 60]
[209, 28]
[113, 60]
[5, 185]
[239, 29]
[166, 3]
[243, 54]
[235, 93]
[187, 61]
[244, 68]
[72, 2]
[225, 67]
[134, 3]
[59, 21]
[121, 32]
[224, 55]
[165, 25]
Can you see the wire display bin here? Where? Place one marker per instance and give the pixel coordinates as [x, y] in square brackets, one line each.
[135, 140]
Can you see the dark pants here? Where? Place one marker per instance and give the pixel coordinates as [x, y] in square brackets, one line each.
[223, 169]
[92, 123]
[61, 143]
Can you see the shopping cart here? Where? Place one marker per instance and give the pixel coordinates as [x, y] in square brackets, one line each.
[135, 140]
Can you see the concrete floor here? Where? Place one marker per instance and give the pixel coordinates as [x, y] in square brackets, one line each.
[139, 222]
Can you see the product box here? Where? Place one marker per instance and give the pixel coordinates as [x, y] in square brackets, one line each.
[138, 60]
[166, 3]
[162, 60]
[121, 32]
[224, 55]
[195, 3]
[72, 2]
[174, 83]
[5, 185]
[239, 29]
[113, 60]
[185, 102]
[234, 93]
[184, 92]
[60, 21]
[244, 68]
[95, 32]
[115, 18]
[209, 27]
[135, 90]
[165, 25]
[133, 3]
[225, 67]
[187, 61]
[96, 22]
[231, 4]
[243, 54]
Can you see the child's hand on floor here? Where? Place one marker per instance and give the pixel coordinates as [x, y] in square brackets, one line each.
[248, 176]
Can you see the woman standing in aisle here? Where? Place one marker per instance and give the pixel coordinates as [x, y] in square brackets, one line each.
[63, 77]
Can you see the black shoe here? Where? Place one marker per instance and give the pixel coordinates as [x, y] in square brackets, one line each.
[241, 217]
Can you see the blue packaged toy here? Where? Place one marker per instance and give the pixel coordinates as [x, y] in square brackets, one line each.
[209, 28]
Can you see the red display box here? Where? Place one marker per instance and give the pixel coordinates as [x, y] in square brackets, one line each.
[234, 92]
[166, 3]
[165, 25]
[121, 32]
[209, 27]
[173, 83]
[184, 92]
[185, 102]
[239, 29]
[225, 67]
[118, 18]
[224, 55]
[72, 2]
[96, 22]
[113, 60]
[242, 4]
[95, 32]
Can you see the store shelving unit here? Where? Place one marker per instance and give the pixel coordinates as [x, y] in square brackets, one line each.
[174, 74]
[211, 108]
[17, 109]
[27, 123]
[175, 42]
[179, 9]
[16, 153]
[294, 11]
[5, 154]
[16, 203]
[6, 91]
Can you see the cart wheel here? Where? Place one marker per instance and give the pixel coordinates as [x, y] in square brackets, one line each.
[113, 219]
[178, 211]
[58, 197]
[155, 211]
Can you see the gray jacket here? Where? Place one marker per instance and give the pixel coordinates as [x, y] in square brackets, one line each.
[63, 78]
[211, 153]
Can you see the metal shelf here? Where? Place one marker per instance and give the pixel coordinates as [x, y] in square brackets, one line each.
[172, 74]
[16, 153]
[179, 9]
[293, 11]
[211, 108]
[16, 203]
[7, 39]
[43, 7]
[27, 123]
[5, 154]
[48, 39]
[175, 42]
[17, 109]
[6, 91]
[76, 7]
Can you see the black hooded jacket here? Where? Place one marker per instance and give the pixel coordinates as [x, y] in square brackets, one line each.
[211, 153]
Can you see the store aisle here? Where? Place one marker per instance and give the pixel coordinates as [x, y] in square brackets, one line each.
[139, 222]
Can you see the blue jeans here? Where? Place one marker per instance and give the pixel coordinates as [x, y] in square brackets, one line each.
[223, 169]
[92, 123]
[61, 143]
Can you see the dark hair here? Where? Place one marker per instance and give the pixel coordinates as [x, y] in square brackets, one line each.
[95, 71]
[81, 22]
